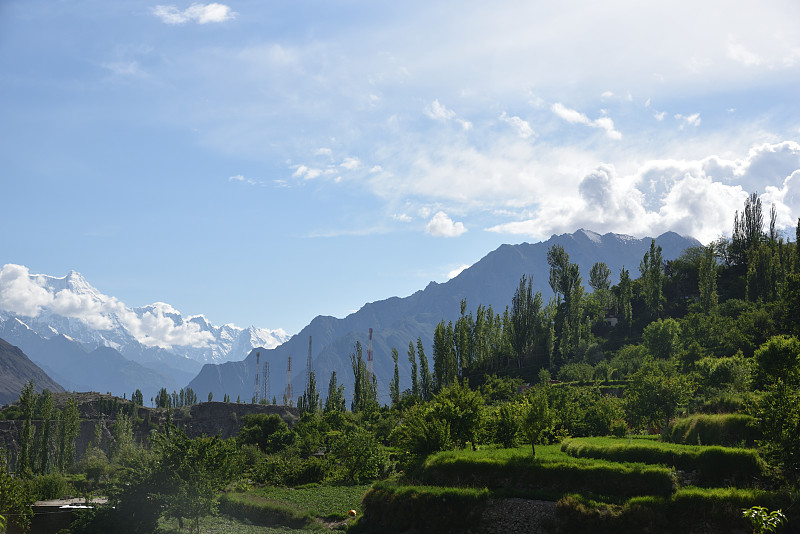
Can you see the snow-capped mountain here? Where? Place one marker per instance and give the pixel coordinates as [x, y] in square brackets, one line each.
[72, 307]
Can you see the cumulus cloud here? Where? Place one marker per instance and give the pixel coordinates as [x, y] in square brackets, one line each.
[21, 293]
[443, 226]
[199, 13]
[522, 127]
[28, 295]
[351, 164]
[691, 197]
[576, 117]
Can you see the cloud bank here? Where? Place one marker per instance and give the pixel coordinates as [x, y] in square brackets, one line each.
[28, 295]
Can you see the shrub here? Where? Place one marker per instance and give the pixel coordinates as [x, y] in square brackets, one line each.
[394, 508]
[50, 486]
[718, 429]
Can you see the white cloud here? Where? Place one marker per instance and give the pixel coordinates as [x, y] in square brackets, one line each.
[199, 13]
[443, 226]
[437, 111]
[324, 152]
[575, 117]
[522, 127]
[241, 179]
[689, 120]
[691, 197]
[401, 217]
[351, 164]
[25, 294]
[738, 52]
[455, 272]
[21, 293]
[306, 173]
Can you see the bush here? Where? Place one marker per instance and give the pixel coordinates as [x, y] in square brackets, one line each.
[394, 508]
[729, 430]
[262, 512]
[714, 464]
[48, 487]
[545, 477]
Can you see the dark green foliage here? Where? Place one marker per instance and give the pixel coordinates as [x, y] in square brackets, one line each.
[360, 455]
[546, 476]
[778, 358]
[689, 510]
[399, 508]
[778, 415]
[262, 512]
[14, 499]
[654, 394]
[268, 431]
[730, 430]
[652, 270]
[48, 487]
[714, 465]
[285, 469]
[335, 401]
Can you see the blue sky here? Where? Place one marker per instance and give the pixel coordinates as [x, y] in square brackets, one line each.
[265, 162]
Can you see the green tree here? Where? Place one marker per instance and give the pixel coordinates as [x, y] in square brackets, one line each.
[360, 455]
[137, 398]
[536, 416]
[45, 409]
[412, 359]
[461, 408]
[625, 298]
[267, 431]
[27, 403]
[445, 367]
[14, 501]
[394, 385]
[68, 429]
[655, 392]
[778, 358]
[600, 276]
[191, 472]
[365, 395]
[335, 401]
[425, 377]
[662, 338]
[652, 276]
[309, 402]
[778, 416]
[707, 280]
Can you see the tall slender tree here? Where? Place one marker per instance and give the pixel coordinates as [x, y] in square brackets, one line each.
[394, 385]
[652, 275]
[412, 359]
[425, 377]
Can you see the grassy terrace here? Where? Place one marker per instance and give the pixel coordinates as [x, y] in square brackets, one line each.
[600, 484]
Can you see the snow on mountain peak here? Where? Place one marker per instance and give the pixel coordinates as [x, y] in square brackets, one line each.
[71, 306]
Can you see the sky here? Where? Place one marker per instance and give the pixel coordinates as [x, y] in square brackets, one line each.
[265, 162]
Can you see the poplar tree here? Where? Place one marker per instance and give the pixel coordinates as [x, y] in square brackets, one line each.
[27, 403]
[707, 280]
[425, 378]
[45, 409]
[68, 429]
[412, 359]
[394, 385]
[652, 275]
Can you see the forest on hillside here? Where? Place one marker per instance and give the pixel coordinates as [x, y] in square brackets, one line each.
[668, 400]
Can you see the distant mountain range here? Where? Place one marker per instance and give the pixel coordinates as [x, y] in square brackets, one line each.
[16, 370]
[85, 340]
[396, 321]
[89, 341]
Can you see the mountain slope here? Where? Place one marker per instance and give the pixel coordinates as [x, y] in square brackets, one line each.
[16, 370]
[79, 369]
[396, 321]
